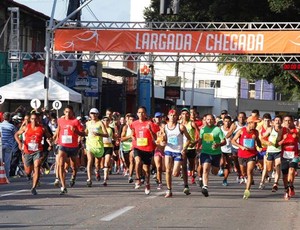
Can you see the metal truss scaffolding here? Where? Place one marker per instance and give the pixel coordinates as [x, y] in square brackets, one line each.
[177, 57]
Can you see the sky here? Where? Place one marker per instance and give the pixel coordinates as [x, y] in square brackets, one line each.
[102, 10]
[126, 10]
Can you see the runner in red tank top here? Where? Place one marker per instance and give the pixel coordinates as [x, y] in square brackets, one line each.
[248, 140]
[289, 155]
[32, 148]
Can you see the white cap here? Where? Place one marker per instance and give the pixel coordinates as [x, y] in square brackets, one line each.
[94, 110]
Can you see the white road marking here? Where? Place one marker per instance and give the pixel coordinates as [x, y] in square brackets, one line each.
[10, 194]
[116, 213]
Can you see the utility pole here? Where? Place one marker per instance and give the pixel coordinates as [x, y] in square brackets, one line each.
[193, 89]
[49, 41]
[169, 7]
[183, 89]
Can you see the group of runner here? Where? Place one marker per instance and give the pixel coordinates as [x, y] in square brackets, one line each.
[179, 144]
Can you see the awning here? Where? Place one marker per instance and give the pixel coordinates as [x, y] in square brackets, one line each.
[121, 72]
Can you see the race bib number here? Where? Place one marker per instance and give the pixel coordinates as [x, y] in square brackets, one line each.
[66, 139]
[288, 154]
[33, 146]
[142, 141]
[208, 137]
[249, 143]
[173, 140]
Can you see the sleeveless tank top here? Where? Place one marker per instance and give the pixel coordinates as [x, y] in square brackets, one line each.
[262, 132]
[93, 141]
[272, 138]
[127, 145]
[226, 148]
[191, 131]
[290, 144]
[247, 139]
[107, 141]
[238, 127]
[33, 139]
[174, 139]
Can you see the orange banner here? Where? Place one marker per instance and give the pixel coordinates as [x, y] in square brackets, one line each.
[237, 42]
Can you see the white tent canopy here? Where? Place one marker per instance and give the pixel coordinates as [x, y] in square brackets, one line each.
[32, 86]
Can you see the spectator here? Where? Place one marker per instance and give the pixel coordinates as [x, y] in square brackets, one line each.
[8, 131]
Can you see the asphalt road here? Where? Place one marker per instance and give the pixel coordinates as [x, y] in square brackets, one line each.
[120, 206]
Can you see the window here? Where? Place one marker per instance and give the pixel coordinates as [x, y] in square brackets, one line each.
[158, 82]
[215, 84]
[209, 84]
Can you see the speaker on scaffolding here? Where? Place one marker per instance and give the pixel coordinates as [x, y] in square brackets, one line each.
[73, 5]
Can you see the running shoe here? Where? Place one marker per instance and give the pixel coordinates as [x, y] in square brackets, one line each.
[137, 186]
[142, 180]
[147, 189]
[47, 171]
[225, 183]
[56, 182]
[269, 179]
[291, 191]
[168, 194]
[246, 194]
[205, 191]
[286, 196]
[33, 191]
[242, 180]
[186, 191]
[89, 183]
[104, 183]
[193, 180]
[261, 186]
[72, 181]
[98, 177]
[221, 172]
[130, 180]
[160, 186]
[63, 191]
[275, 187]
[154, 176]
[200, 183]
[273, 174]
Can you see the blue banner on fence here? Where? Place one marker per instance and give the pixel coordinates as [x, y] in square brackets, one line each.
[145, 92]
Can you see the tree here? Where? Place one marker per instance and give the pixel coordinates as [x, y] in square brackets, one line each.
[241, 11]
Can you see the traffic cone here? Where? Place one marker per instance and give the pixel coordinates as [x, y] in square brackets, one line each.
[3, 178]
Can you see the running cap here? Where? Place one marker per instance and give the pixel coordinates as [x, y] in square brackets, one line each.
[252, 119]
[94, 110]
[172, 111]
[224, 111]
[185, 110]
[158, 114]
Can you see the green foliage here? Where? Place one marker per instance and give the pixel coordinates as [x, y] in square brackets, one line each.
[240, 11]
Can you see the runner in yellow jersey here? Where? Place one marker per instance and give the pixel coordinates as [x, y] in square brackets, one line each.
[95, 131]
[191, 153]
[108, 148]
